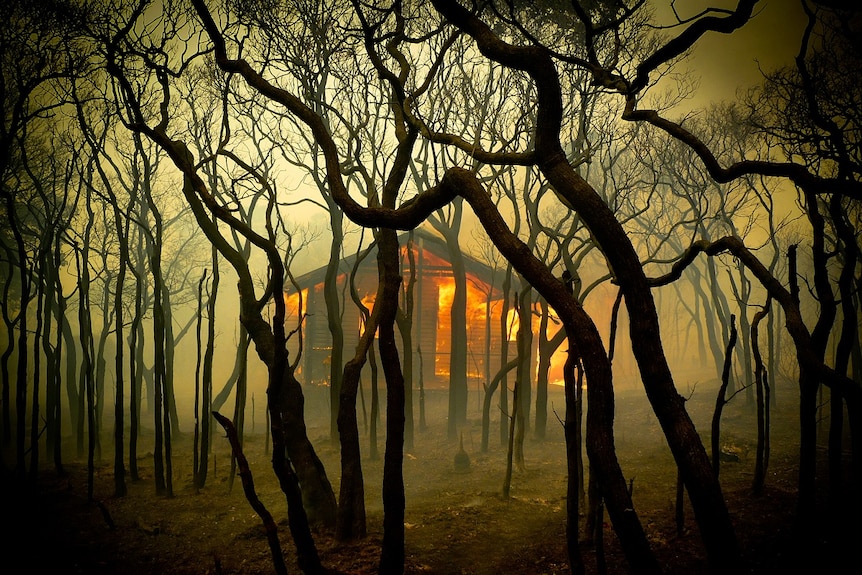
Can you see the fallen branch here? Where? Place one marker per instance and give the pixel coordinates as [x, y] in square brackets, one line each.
[251, 495]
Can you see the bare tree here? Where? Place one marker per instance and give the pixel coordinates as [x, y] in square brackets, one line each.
[286, 402]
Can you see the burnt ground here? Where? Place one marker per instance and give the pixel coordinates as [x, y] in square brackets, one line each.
[456, 523]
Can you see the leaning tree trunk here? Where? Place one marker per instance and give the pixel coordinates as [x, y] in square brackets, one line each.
[269, 524]
[286, 407]
[241, 395]
[288, 448]
[582, 331]
[683, 439]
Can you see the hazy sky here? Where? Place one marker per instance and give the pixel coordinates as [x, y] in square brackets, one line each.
[725, 62]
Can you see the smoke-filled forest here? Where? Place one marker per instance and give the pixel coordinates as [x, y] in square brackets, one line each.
[430, 287]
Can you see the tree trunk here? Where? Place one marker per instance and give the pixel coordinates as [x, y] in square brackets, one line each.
[721, 398]
[504, 355]
[207, 380]
[333, 318]
[510, 449]
[5, 359]
[489, 396]
[170, 349]
[119, 360]
[317, 494]
[135, 375]
[350, 522]
[375, 406]
[196, 457]
[761, 460]
[544, 367]
[404, 320]
[100, 363]
[525, 370]
[241, 395]
[809, 382]
[581, 330]
[423, 425]
[57, 414]
[86, 339]
[392, 552]
[684, 441]
[38, 335]
[21, 374]
[269, 524]
[450, 230]
[848, 339]
[573, 455]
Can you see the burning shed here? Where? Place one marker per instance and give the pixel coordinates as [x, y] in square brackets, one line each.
[433, 295]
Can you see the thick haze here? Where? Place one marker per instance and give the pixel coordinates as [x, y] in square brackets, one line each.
[726, 63]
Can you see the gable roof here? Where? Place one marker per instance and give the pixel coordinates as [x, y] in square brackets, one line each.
[432, 243]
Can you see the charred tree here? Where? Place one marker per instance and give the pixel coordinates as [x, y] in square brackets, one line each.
[207, 372]
[251, 495]
[547, 346]
[450, 228]
[523, 375]
[490, 389]
[241, 393]
[574, 479]
[761, 382]
[392, 553]
[286, 399]
[404, 321]
[721, 398]
[333, 318]
[351, 519]
[196, 456]
[848, 345]
[505, 334]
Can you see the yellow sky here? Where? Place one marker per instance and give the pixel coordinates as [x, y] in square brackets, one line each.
[726, 62]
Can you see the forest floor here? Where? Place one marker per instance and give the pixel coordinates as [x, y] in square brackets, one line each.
[456, 523]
